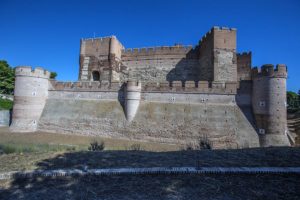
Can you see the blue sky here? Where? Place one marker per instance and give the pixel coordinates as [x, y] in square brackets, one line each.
[47, 33]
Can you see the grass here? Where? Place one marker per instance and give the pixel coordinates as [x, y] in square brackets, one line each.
[6, 104]
[28, 148]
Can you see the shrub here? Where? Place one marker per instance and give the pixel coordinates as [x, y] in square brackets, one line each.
[5, 104]
[204, 143]
[96, 146]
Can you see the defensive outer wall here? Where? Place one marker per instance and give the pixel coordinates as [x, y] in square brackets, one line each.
[172, 94]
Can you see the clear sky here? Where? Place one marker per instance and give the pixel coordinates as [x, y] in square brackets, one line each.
[47, 33]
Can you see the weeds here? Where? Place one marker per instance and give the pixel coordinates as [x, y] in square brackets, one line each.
[203, 143]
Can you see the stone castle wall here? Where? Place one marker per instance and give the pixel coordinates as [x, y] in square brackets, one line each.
[174, 94]
[160, 64]
[162, 116]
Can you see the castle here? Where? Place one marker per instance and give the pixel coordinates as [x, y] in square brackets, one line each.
[170, 94]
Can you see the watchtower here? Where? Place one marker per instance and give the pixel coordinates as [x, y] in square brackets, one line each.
[100, 59]
[269, 104]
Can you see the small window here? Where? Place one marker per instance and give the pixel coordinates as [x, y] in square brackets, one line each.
[261, 131]
[262, 103]
[96, 76]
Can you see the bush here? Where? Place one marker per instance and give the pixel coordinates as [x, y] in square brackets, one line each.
[205, 143]
[202, 143]
[96, 146]
[5, 104]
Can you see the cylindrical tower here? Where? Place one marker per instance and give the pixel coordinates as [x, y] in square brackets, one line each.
[132, 99]
[269, 104]
[30, 94]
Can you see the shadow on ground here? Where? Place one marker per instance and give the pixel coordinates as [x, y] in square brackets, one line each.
[162, 186]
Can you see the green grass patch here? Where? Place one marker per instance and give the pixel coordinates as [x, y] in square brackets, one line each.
[9, 148]
[6, 104]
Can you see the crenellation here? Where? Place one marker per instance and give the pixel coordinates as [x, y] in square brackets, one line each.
[281, 70]
[244, 53]
[29, 71]
[190, 84]
[162, 50]
[268, 70]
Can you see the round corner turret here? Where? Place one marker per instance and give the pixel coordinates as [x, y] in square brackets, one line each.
[269, 104]
[30, 94]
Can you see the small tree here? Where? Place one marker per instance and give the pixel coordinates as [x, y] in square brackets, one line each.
[291, 98]
[53, 75]
[7, 78]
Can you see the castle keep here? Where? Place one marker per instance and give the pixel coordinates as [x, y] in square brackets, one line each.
[170, 94]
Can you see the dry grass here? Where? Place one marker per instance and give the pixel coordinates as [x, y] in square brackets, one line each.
[80, 142]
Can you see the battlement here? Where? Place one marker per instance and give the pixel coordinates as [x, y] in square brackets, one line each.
[98, 38]
[191, 86]
[162, 50]
[209, 35]
[249, 53]
[220, 28]
[29, 71]
[86, 86]
[268, 70]
[174, 86]
[100, 46]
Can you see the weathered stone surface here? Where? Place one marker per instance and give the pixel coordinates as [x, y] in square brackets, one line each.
[224, 124]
